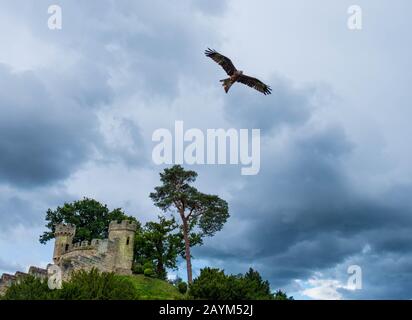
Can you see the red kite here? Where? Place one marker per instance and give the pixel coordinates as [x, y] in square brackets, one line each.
[235, 75]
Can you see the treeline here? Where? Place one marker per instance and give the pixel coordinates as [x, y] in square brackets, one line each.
[212, 284]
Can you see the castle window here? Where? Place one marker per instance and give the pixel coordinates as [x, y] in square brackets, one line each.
[67, 247]
[128, 241]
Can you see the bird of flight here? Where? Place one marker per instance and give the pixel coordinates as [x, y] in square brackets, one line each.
[235, 75]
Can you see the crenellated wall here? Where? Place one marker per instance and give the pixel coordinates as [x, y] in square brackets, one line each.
[6, 280]
[114, 254]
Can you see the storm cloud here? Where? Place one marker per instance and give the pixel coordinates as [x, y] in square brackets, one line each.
[41, 139]
[78, 107]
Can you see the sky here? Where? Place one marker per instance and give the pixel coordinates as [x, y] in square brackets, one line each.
[79, 105]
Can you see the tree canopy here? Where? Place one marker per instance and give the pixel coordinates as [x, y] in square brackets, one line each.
[200, 214]
[90, 217]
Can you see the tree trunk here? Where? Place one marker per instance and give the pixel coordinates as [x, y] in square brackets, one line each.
[187, 250]
[160, 269]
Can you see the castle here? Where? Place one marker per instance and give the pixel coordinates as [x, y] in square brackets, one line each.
[114, 254]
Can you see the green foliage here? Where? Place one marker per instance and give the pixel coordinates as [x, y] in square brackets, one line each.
[159, 243]
[280, 295]
[83, 285]
[208, 212]
[148, 265]
[137, 268]
[90, 217]
[182, 287]
[214, 284]
[94, 285]
[254, 287]
[29, 288]
[148, 272]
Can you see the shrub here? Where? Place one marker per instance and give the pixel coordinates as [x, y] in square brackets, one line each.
[182, 287]
[214, 284]
[29, 288]
[211, 284]
[138, 268]
[148, 272]
[94, 285]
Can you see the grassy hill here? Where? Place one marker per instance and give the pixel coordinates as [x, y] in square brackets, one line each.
[153, 289]
[95, 286]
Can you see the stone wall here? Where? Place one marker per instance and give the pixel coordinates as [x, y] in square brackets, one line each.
[6, 280]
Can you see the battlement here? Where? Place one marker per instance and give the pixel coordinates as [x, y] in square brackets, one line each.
[95, 244]
[7, 278]
[113, 254]
[37, 272]
[125, 225]
[65, 229]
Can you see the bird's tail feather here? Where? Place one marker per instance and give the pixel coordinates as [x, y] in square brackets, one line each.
[226, 83]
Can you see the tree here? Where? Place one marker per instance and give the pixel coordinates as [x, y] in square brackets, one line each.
[202, 213]
[280, 295]
[214, 284]
[255, 287]
[90, 217]
[159, 243]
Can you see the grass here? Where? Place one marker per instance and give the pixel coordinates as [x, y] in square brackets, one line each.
[153, 289]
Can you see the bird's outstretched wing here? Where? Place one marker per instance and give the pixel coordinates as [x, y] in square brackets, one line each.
[223, 61]
[255, 84]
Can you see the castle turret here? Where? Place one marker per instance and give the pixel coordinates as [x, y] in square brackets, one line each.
[64, 234]
[122, 233]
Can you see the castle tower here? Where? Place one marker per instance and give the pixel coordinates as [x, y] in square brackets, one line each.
[64, 234]
[122, 234]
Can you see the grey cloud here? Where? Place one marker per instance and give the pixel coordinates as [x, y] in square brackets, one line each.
[14, 210]
[287, 105]
[152, 44]
[304, 216]
[41, 140]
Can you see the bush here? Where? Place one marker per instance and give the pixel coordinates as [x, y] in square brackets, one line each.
[148, 272]
[83, 285]
[214, 284]
[29, 288]
[182, 287]
[94, 285]
[138, 268]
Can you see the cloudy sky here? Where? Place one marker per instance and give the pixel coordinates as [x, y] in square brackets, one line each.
[78, 107]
